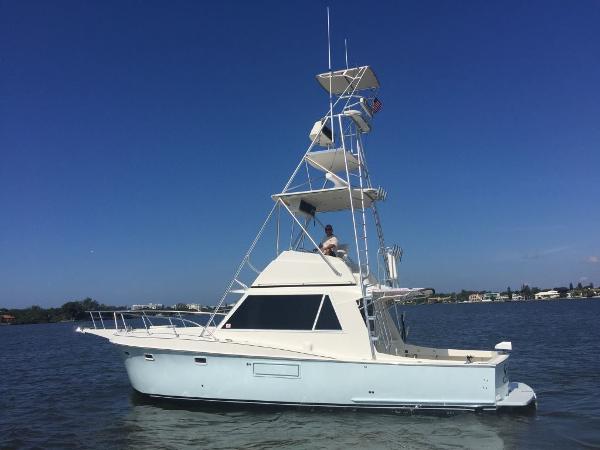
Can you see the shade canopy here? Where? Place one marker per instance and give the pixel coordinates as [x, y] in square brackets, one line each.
[332, 160]
[348, 80]
[327, 200]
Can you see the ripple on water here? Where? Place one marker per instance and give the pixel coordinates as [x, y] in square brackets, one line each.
[59, 389]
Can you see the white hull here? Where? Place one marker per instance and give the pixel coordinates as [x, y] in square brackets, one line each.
[245, 379]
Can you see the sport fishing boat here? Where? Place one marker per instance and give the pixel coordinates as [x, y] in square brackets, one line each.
[311, 328]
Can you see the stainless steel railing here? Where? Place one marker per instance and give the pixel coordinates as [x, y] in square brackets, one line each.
[130, 320]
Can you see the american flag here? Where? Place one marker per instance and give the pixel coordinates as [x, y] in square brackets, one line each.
[377, 105]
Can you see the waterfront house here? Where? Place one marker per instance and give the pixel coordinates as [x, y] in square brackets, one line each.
[148, 306]
[547, 295]
[7, 319]
[194, 306]
[490, 297]
[475, 297]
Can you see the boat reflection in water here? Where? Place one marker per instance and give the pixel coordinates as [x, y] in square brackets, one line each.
[164, 423]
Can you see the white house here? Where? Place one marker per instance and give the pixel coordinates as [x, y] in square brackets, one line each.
[490, 297]
[194, 306]
[547, 294]
[148, 306]
[475, 297]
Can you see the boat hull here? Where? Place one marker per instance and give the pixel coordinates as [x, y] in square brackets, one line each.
[322, 383]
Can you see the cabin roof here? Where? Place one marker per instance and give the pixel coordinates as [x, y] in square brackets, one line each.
[294, 268]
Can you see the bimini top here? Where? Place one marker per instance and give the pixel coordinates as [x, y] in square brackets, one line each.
[326, 200]
[348, 80]
[333, 160]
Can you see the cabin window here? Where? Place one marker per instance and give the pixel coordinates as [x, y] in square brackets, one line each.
[327, 318]
[276, 312]
[285, 312]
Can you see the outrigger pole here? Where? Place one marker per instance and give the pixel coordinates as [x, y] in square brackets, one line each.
[330, 78]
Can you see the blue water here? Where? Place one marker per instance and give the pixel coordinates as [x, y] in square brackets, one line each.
[60, 389]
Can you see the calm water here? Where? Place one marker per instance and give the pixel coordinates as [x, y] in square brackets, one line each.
[59, 389]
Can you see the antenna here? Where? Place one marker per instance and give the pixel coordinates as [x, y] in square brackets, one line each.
[328, 41]
[346, 48]
[330, 76]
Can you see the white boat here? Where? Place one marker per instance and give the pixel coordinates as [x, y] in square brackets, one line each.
[312, 329]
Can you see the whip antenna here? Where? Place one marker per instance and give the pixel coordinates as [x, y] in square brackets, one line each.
[330, 76]
[328, 41]
[346, 49]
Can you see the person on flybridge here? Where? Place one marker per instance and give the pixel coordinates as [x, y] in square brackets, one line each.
[329, 243]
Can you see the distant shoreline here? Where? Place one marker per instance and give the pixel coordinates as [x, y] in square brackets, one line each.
[537, 300]
[23, 321]
[501, 301]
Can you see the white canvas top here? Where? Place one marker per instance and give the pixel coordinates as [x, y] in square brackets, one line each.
[327, 200]
[332, 160]
[341, 79]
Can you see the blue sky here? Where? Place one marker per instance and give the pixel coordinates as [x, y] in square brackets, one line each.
[140, 140]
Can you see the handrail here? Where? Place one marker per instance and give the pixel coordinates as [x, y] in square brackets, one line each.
[173, 311]
[173, 319]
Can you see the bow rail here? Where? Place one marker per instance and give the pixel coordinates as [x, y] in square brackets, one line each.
[150, 319]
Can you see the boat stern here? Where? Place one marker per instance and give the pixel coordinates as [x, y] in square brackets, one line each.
[511, 394]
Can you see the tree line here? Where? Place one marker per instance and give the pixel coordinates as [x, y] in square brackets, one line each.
[70, 311]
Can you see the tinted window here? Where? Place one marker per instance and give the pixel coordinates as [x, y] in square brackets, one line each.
[276, 312]
[327, 318]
